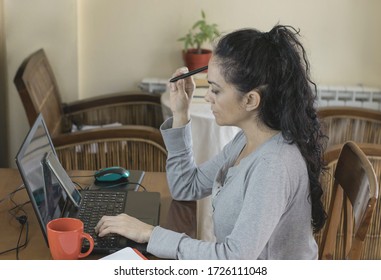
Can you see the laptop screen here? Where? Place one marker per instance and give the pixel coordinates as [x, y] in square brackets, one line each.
[63, 178]
[46, 195]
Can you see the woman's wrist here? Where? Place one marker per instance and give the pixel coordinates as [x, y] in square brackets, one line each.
[148, 233]
[180, 120]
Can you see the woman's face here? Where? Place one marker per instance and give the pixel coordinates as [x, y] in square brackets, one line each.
[226, 102]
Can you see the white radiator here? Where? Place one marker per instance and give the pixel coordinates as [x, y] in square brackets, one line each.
[349, 96]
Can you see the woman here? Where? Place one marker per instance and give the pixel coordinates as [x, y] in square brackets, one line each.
[266, 195]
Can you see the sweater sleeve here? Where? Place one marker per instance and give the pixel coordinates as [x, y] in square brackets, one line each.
[186, 180]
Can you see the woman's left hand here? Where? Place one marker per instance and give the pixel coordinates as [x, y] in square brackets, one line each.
[126, 226]
[181, 93]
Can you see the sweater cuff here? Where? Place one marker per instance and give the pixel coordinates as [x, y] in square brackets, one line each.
[176, 139]
[164, 243]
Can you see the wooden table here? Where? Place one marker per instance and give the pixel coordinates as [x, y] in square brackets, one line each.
[174, 215]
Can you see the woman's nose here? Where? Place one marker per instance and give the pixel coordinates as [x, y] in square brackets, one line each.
[207, 96]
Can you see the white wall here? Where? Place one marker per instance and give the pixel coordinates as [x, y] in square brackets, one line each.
[100, 46]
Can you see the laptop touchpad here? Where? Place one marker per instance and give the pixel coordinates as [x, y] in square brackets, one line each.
[144, 206]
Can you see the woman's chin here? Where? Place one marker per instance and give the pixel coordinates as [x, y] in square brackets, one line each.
[219, 122]
[218, 119]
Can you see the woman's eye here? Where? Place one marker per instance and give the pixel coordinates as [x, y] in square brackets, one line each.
[212, 90]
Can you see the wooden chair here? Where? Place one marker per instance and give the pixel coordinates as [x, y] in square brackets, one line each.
[131, 146]
[351, 194]
[350, 123]
[39, 93]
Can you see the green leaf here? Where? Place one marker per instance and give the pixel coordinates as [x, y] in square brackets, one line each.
[200, 33]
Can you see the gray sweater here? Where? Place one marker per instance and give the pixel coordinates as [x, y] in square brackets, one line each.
[260, 207]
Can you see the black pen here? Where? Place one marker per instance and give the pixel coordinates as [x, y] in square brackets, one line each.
[190, 73]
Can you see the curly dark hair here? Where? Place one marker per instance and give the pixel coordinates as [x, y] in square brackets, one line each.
[275, 64]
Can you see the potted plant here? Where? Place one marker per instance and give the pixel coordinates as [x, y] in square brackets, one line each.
[201, 32]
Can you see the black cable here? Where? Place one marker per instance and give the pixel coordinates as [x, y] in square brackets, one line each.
[141, 186]
[78, 185]
[19, 188]
[24, 222]
[81, 176]
[18, 207]
[113, 186]
[124, 183]
[22, 219]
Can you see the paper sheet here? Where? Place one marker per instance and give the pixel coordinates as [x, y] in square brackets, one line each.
[127, 253]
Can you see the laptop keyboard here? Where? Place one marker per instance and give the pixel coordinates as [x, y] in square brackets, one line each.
[96, 204]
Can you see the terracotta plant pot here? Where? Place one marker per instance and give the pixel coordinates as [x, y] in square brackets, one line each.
[194, 60]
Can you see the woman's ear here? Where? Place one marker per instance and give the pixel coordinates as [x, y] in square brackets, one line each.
[253, 99]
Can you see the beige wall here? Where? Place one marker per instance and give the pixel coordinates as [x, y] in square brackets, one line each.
[122, 41]
[100, 46]
[3, 95]
[30, 25]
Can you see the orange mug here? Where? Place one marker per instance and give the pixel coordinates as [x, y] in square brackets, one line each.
[65, 236]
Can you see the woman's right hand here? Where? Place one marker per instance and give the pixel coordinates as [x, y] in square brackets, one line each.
[181, 93]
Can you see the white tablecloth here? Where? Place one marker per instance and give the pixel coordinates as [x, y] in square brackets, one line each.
[208, 139]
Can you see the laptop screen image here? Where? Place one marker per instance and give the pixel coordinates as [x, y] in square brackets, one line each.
[48, 202]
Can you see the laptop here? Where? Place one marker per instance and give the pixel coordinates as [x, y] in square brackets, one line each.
[53, 194]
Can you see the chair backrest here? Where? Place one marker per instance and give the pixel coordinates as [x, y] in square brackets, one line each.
[38, 91]
[128, 108]
[131, 146]
[343, 124]
[353, 199]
